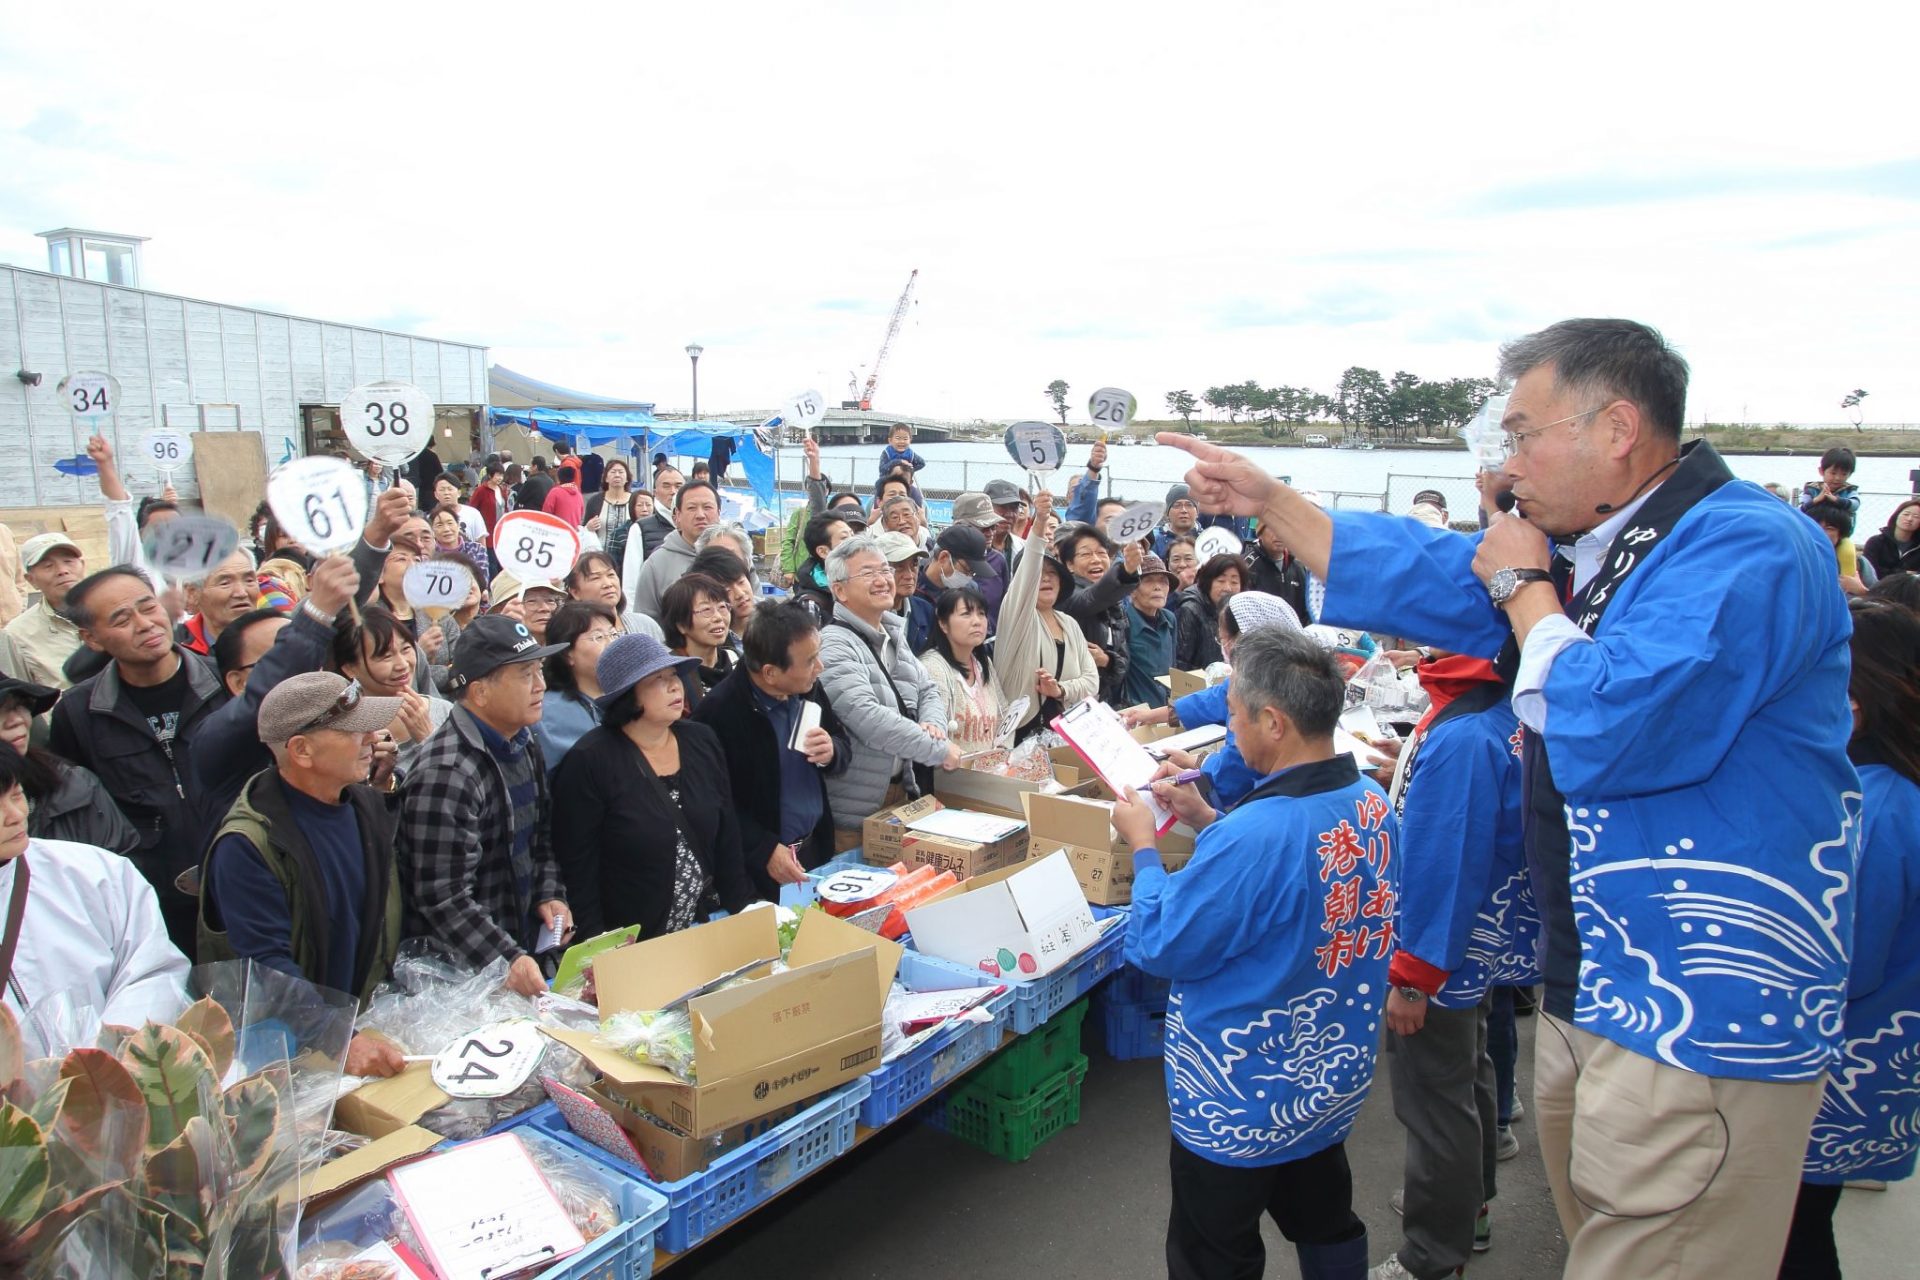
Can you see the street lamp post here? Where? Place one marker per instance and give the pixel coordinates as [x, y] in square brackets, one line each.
[693, 353]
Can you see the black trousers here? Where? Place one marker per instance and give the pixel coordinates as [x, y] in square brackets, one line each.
[1213, 1232]
[1811, 1253]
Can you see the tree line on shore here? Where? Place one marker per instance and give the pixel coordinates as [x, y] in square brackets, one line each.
[1366, 404]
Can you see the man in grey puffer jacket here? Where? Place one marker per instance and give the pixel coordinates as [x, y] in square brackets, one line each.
[894, 716]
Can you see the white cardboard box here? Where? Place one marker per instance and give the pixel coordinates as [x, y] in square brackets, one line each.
[1020, 923]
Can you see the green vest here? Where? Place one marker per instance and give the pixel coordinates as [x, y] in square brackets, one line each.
[260, 817]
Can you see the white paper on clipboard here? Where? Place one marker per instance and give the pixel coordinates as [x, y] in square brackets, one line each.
[805, 720]
[484, 1209]
[1096, 732]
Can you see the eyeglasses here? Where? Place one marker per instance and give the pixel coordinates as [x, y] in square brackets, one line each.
[601, 637]
[871, 575]
[712, 609]
[349, 699]
[1512, 442]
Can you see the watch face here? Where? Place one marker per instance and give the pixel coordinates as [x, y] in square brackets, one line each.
[1501, 585]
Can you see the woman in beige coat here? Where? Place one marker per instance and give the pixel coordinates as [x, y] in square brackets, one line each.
[1040, 652]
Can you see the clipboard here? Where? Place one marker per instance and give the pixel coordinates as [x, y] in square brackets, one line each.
[483, 1210]
[1098, 736]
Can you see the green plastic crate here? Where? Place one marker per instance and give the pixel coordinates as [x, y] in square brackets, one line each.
[1012, 1128]
[1035, 1059]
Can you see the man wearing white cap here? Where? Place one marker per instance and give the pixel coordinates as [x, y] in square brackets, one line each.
[46, 638]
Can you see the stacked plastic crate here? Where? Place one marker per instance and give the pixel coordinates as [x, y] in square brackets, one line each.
[1024, 1095]
[1133, 1014]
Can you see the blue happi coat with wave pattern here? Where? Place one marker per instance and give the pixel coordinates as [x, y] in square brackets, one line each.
[1869, 1120]
[1276, 936]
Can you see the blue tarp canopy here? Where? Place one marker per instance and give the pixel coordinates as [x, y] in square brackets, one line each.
[645, 435]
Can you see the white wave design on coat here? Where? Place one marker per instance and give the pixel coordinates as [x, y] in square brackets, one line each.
[1504, 936]
[1321, 1077]
[1732, 921]
[1846, 1138]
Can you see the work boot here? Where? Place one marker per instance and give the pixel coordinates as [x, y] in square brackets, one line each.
[1344, 1261]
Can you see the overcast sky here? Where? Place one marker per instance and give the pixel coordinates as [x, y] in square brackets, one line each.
[1156, 196]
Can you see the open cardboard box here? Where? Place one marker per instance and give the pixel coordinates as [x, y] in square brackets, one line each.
[1021, 923]
[672, 1156]
[376, 1157]
[1102, 862]
[887, 839]
[379, 1107]
[759, 1046]
[1183, 683]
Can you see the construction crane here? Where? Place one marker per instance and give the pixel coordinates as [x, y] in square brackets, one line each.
[893, 331]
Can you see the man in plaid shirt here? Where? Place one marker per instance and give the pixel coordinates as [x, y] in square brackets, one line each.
[475, 846]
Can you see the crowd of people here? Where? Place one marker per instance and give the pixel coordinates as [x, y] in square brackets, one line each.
[1643, 789]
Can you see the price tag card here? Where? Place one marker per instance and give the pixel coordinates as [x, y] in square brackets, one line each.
[187, 548]
[1037, 446]
[320, 501]
[1010, 722]
[492, 1061]
[89, 395]
[387, 421]
[1215, 541]
[437, 584]
[167, 450]
[1112, 408]
[1136, 522]
[533, 545]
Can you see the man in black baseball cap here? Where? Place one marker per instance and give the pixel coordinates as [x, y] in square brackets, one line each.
[474, 832]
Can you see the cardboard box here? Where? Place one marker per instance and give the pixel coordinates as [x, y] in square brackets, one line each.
[985, 792]
[355, 1167]
[760, 1046]
[1183, 683]
[672, 1156]
[881, 833]
[1020, 923]
[1102, 862]
[888, 839]
[380, 1107]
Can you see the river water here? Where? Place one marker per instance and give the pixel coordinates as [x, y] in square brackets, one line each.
[1348, 478]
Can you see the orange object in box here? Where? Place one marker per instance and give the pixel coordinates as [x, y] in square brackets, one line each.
[910, 888]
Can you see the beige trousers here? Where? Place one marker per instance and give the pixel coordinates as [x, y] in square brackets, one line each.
[1658, 1171]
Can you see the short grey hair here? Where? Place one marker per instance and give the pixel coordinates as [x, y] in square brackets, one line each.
[1285, 670]
[1604, 360]
[727, 529]
[858, 544]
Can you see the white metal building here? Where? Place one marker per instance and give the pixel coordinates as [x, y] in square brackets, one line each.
[194, 366]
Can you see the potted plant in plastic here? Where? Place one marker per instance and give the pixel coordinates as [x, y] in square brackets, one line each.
[151, 1153]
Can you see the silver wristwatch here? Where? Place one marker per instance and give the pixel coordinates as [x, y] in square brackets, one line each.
[1504, 582]
[1412, 995]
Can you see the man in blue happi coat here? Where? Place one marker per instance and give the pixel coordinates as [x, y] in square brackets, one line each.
[1276, 936]
[1692, 817]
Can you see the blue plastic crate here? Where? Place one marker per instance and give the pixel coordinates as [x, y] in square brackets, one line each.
[907, 1081]
[624, 1253]
[1131, 985]
[1133, 1030]
[1037, 1001]
[742, 1179]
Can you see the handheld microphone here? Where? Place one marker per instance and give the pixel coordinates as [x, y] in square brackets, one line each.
[1504, 500]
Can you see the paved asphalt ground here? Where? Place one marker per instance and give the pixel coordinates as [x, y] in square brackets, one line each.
[916, 1204]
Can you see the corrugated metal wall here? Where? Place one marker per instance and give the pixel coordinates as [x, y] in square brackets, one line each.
[173, 355]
